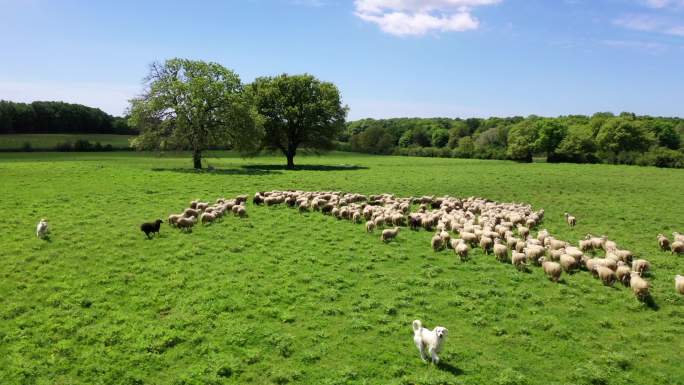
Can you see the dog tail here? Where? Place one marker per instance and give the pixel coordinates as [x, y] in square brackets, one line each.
[417, 325]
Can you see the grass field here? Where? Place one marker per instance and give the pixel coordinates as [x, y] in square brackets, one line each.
[282, 297]
[49, 141]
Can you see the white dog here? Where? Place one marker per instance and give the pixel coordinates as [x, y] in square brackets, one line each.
[431, 340]
[42, 229]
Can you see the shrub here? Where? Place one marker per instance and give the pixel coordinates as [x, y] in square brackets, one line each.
[64, 147]
[662, 157]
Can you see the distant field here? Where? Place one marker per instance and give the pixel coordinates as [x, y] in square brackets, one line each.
[283, 297]
[49, 141]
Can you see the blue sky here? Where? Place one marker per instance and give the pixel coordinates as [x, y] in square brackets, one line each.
[390, 58]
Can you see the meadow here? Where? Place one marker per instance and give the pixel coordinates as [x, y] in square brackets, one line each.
[282, 297]
[15, 142]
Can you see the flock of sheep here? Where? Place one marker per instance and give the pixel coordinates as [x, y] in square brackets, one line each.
[207, 213]
[503, 229]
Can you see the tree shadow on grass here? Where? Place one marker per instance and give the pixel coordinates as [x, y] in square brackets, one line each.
[447, 367]
[219, 171]
[304, 167]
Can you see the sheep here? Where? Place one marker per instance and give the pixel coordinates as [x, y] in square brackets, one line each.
[679, 284]
[241, 211]
[500, 251]
[519, 260]
[186, 223]
[201, 206]
[468, 237]
[622, 273]
[586, 244]
[677, 237]
[207, 218]
[461, 248]
[568, 262]
[572, 221]
[552, 269]
[639, 286]
[190, 212]
[640, 266]
[389, 234]
[663, 242]
[257, 199]
[609, 245]
[541, 235]
[42, 229]
[398, 220]
[304, 207]
[624, 255]
[677, 247]
[370, 226]
[523, 231]
[151, 227]
[606, 262]
[555, 244]
[534, 253]
[241, 199]
[486, 244]
[437, 242]
[173, 218]
[193, 204]
[606, 275]
[574, 252]
[520, 246]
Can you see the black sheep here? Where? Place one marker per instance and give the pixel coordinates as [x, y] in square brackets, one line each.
[151, 227]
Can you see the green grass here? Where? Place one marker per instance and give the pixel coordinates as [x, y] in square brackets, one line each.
[49, 141]
[287, 298]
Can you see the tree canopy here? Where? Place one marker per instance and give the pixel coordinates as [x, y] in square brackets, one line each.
[300, 111]
[194, 105]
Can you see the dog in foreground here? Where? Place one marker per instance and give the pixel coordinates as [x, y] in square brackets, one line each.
[429, 341]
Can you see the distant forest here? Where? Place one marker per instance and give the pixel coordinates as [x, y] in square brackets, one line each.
[600, 138]
[58, 118]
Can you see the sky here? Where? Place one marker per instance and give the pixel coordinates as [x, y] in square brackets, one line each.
[389, 58]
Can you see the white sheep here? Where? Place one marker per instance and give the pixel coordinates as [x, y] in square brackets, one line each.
[207, 218]
[663, 242]
[437, 242]
[42, 229]
[173, 218]
[552, 269]
[605, 274]
[519, 260]
[500, 251]
[461, 248]
[370, 226]
[679, 284]
[640, 266]
[677, 247]
[677, 236]
[572, 221]
[639, 285]
[568, 262]
[486, 244]
[389, 234]
[623, 273]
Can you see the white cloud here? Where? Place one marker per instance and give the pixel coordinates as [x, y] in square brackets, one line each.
[418, 17]
[111, 98]
[649, 23]
[659, 4]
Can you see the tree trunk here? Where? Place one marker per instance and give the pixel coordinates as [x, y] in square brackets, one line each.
[290, 160]
[197, 159]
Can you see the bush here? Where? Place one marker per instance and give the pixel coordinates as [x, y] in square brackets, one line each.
[64, 147]
[662, 157]
[82, 145]
[26, 147]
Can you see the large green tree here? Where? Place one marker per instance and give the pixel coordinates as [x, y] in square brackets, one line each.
[300, 111]
[194, 105]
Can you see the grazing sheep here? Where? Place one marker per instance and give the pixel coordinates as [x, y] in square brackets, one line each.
[586, 245]
[370, 226]
[622, 273]
[193, 204]
[389, 234]
[534, 253]
[663, 242]
[468, 237]
[677, 247]
[523, 231]
[555, 244]
[519, 260]
[151, 227]
[607, 262]
[609, 245]
[677, 236]
[437, 242]
[639, 286]
[606, 275]
[257, 199]
[624, 255]
[572, 221]
[640, 266]
[42, 229]
[201, 206]
[541, 235]
[552, 269]
[207, 218]
[241, 199]
[173, 218]
[500, 251]
[679, 284]
[568, 262]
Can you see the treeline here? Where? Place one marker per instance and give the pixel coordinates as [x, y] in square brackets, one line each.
[600, 138]
[59, 118]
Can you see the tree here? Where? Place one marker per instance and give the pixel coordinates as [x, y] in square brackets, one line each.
[440, 138]
[623, 135]
[194, 105]
[521, 140]
[551, 132]
[299, 111]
